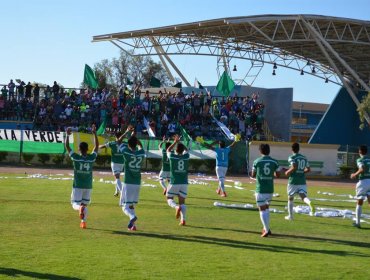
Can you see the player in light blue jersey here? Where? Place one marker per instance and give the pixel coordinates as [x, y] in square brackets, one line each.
[363, 185]
[222, 163]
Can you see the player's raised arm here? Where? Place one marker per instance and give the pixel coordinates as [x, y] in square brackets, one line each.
[129, 129]
[66, 140]
[96, 140]
[176, 139]
[160, 144]
[232, 144]
[209, 146]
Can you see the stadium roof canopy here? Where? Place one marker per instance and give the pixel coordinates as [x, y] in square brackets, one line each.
[334, 49]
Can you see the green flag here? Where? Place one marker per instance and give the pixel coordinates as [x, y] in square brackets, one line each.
[154, 82]
[102, 127]
[184, 134]
[178, 85]
[225, 85]
[89, 77]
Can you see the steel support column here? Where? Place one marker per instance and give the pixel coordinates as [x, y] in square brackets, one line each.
[334, 66]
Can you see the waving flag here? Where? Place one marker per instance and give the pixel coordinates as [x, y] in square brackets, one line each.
[225, 130]
[148, 128]
[89, 77]
[225, 85]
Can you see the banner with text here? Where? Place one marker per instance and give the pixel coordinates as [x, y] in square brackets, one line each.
[31, 141]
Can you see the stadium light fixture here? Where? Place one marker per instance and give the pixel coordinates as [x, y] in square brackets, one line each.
[302, 73]
[326, 80]
[273, 73]
[235, 68]
[308, 63]
[275, 66]
[313, 70]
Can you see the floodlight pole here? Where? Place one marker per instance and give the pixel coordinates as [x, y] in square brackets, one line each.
[319, 42]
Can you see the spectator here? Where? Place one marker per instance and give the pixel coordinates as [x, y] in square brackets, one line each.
[4, 93]
[20, 89]
[11, 87]
[28, 90]
[55, 90]
[36, 93]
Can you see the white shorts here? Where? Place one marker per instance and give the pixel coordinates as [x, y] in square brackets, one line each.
[164, 175]
[263, 199]
[79, 196]
[129, 194]
[116, 168]
[296, 189]
[363, 189]
[221, 172]
[180, 190]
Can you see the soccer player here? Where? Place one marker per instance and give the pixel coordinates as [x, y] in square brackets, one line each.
[117, 160]
[297, 180]
[133, 155]
[179, 162]
[264, 169]
[222, 162]
[363, 185]
[82, 180]
[164, 175]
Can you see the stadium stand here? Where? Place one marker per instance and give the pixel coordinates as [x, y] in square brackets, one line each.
[55, 108]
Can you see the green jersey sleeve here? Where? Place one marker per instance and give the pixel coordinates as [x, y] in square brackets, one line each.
[165, 161]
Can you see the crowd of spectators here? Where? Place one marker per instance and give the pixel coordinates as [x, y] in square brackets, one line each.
[55, 108]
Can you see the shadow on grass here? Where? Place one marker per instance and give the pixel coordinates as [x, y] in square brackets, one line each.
[300, 237]
[238, 244]
[12, 272]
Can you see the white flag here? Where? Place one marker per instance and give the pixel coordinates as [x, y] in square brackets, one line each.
[227, 132]
[148, 128]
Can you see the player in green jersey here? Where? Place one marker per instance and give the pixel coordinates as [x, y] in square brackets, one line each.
[179, 163]
[82, 180]
[164, 174]
[133, 155]
[264, 169]
[117, 160]
[363, 185]
[298, 167]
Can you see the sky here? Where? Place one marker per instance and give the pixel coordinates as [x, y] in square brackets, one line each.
[50, 40]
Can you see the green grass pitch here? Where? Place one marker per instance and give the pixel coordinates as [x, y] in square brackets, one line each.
[40, 236]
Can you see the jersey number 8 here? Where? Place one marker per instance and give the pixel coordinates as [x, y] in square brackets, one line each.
[180, 165]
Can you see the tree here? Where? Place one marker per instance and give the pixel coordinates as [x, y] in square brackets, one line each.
[364, 109]
[139, 69]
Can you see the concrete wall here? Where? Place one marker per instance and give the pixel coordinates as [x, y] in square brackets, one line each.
[314, 152]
